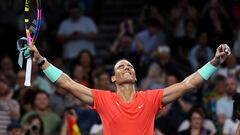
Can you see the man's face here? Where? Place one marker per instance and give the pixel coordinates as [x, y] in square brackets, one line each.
[21, 77]
[231, 86]
[6, 63]
[196, 120]
[41, 101]
[104, 80]
[78, 72]
[74, 13]
[124, 73]
[220, 87]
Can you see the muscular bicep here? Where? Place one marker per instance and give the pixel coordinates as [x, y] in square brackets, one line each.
[82, 92]
[175, 91]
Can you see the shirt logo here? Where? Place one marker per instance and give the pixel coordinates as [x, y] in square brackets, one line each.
[140, 106]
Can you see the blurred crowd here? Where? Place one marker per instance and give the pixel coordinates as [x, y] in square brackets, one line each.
[168, 41]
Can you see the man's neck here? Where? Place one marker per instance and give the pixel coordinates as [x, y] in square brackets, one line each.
[126, 92]
[42, 112]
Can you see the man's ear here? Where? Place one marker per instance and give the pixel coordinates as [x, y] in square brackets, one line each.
[113, 78]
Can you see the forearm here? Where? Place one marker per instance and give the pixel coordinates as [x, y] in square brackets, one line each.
[65, 82]
[193, 81]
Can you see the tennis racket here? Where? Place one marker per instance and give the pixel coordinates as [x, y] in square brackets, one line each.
[33, 16]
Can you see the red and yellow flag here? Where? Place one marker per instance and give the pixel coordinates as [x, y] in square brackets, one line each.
[72, 126]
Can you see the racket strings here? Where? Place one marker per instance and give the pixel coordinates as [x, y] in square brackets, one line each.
[32, 15]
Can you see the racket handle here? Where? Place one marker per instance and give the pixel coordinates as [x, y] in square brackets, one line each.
[28, 72]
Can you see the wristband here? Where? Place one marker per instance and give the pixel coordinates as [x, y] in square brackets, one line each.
[207, 70]
[52, 73]
[41, 62]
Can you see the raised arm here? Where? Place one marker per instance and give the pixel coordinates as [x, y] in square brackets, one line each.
[175, 91]
[63, 80]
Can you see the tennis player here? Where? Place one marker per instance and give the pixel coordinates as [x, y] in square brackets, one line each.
[128, 111]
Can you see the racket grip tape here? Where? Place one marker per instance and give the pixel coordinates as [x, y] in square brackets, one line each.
[52, 73]
[28, 72]
[207, 70]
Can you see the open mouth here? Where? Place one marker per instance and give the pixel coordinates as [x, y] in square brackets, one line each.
[127, 73]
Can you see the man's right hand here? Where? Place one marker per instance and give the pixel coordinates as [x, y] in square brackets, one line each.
[36, 56]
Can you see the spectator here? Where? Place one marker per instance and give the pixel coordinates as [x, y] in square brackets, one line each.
[24, 96]
[170, 118]
[7, 69]
[152, 36]
[225, 104]
[201, 52]
[210, 99]
[59, 101]
[9, 109]
[102, 80]
[123, 44]
[70, 113]
[84, 117]
[85, 58]
[39, 82]
[230, 127]
[58, 62]
[215, 15]
[77, 33]
[34, 125]
[20, 80]
[14, 128]
[155, 78]
[232, 68]
[80, 76]
[162, 55]
[185, 42]
[197, 126]
[41, 107]
[151, 11]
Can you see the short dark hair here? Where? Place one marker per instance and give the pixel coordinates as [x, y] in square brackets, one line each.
[196, 110]
[39, 91]
[219, 78]
[113, 73]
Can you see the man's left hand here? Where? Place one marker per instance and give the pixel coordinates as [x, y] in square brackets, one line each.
[221, 54]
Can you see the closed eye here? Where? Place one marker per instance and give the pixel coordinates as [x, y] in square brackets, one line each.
[130, 66]
[120, 67]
